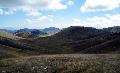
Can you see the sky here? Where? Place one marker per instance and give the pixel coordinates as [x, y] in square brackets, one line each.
[17, 14]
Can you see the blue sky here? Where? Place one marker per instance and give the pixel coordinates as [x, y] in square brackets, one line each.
[16, 14]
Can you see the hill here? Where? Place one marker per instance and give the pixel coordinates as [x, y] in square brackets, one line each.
[79, 33]
[74, 39]
[77, 40]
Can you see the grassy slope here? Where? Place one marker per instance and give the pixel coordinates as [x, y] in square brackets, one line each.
[64, 63]
[8, 35]
[9, 52]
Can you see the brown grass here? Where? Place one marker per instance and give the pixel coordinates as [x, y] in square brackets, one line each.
[62, 63]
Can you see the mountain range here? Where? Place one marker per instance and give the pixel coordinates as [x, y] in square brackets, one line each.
[32, 33]
[74, 39]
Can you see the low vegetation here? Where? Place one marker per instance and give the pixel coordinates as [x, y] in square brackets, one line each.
[64, 63]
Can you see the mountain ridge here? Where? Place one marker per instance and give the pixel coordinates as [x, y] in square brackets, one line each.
[74, 39]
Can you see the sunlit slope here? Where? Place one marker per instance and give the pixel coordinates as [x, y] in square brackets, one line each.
[8, 35]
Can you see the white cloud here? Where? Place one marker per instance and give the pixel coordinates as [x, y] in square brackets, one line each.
[32, 5]
[99, 22]
[99, 5]
[33, 13]
[51, 16]
[70, 3]
[76, 20]
[44, 19]
[55, 4]
[1, 12]
[39, 22]
[7, 12]
[96, 22]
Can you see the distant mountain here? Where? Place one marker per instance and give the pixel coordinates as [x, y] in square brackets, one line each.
[9, 31]
[46, 30]
[29, 33]
[115, 29]
[37, 32]
[24, 30]
[51, 30]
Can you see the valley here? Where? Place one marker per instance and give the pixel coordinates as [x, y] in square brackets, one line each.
[74, 49]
